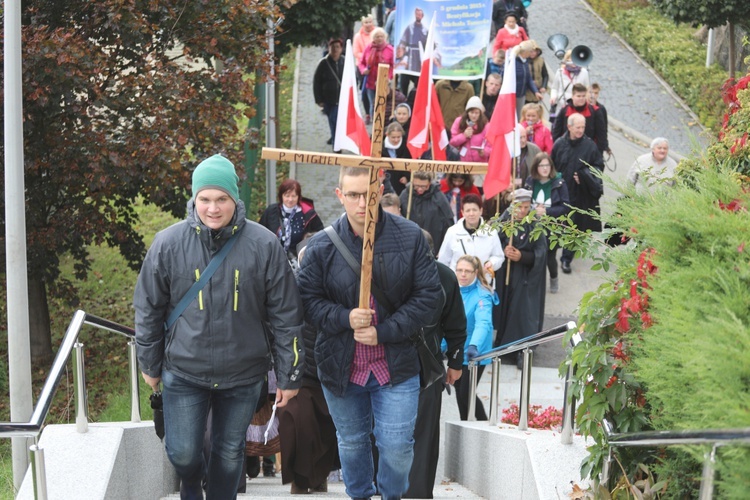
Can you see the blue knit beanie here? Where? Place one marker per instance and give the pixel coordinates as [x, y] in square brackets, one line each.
[216, 173]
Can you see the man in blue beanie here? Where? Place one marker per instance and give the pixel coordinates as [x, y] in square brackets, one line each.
[214, 354]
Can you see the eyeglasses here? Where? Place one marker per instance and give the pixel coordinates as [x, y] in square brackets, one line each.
[544, 165]
[465, 271]
[422, 187]
[354, 197]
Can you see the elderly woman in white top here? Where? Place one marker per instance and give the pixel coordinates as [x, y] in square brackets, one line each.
[463, 238]
[654, 168]
[565, 77]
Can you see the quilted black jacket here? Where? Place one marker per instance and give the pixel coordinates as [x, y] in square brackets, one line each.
[404, 270]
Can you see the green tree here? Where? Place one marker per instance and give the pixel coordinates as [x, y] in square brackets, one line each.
[120, 100]
[712, 14]
[310, 22]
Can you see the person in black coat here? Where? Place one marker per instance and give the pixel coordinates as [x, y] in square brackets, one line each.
[451, 326]
[549, 196]
[291, 218]
[394, 146]
[596, 126]
[576, 155]
[522, 299]
[502, 7]
[360, 350]
[429, 206]
[327, 83]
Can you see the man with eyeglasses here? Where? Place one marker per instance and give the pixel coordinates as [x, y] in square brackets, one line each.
[429, 206]
[367, 364]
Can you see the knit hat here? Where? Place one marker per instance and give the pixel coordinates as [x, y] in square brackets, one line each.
[474, 102]
[216, 173]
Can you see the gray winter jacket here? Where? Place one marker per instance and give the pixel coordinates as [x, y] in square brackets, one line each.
[249, 308]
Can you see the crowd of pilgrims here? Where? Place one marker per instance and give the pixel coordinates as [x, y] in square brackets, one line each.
[502, 280]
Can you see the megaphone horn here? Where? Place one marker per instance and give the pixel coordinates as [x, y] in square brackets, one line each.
[581, 55]
[558, 43]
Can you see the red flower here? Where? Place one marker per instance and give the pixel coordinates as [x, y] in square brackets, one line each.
[646, 266]
[622, 324]
[733, 206]
[611, 381]
[646, 320]
[619, 352]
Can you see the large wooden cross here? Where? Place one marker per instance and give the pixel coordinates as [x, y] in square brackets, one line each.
[374, 163]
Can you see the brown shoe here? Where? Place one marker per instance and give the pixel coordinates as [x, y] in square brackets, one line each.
[296, 490]
[323, 488]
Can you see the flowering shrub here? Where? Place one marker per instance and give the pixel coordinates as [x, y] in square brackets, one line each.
[550, 418]
[664, 343]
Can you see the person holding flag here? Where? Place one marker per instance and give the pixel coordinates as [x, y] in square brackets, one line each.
[351, 133]
[427, 118]
[502, 134]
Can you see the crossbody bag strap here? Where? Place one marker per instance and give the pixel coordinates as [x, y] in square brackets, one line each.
[198, 285]
[349, 258]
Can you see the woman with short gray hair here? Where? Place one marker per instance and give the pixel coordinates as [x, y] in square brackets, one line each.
[654, 168]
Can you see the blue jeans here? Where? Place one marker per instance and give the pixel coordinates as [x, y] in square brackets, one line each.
[394, 411]
[371, 98]
[186, 407]
[332, 112]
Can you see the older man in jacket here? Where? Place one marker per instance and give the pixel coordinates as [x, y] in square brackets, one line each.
[575, 155]
[215, 355]
[367, 363]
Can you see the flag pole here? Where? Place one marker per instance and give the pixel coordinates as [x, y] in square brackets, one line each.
[512, 201]
[411, 177]
[393, 96]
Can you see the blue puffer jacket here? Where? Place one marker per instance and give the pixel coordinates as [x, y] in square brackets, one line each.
[478, 302]
[404, 270]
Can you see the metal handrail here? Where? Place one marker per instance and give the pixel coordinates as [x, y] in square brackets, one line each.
[713, 437]
[525, 346]
[71, 346]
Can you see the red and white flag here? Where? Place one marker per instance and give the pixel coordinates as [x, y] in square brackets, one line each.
[351, 133]
[502, 133]
[427, 109]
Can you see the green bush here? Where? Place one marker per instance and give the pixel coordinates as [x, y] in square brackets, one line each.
[677, 56]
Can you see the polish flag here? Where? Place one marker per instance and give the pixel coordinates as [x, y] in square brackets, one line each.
[427, 109]
[502, 133]
[351, 133]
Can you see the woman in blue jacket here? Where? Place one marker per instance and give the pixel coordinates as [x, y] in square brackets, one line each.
[478, 299]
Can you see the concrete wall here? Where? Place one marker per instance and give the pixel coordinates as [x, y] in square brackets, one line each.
[504, 463]
[112, 461]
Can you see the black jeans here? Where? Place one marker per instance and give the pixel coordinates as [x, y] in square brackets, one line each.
[552, 262]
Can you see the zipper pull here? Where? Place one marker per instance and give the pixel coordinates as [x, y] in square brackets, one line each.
[236, 287]
[200, 293]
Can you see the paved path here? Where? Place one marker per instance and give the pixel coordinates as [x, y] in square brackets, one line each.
[632, 93]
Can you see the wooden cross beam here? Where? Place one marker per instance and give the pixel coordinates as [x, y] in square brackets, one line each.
[374, 163]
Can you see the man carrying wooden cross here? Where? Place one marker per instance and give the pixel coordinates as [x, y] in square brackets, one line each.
[367, 364]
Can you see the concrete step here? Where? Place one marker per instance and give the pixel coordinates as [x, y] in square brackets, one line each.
[271, 487]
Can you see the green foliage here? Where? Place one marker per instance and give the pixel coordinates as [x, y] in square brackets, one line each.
[310, 22]
[665, 344]
[118, 104]
[701, 248]
[712, 13]
[609, 8]
[108, 292]
[676, 55]
[731, 149]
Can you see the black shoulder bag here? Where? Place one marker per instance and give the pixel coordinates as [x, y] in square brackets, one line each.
[431, 369]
